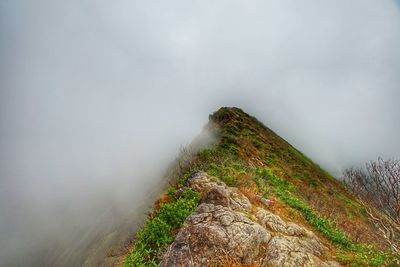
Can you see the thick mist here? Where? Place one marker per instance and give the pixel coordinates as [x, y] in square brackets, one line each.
[97, 97]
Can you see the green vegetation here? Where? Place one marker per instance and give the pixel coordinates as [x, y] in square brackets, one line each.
[158, 232]
[301, 156]
[255, 139]
[362, 255]
[353, 207]
[251, 156]
[312, 181]
[284, 191]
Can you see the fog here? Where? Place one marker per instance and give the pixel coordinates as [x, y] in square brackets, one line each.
[97, 97]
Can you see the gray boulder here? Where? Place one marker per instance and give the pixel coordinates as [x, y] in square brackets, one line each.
[227, 225]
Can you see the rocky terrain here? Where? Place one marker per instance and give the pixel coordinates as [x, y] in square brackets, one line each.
[227, 225]
[252, 199]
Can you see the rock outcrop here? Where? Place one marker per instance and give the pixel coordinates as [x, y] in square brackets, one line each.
[227, 226]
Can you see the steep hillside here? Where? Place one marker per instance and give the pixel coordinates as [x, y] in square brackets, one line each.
[253, 199]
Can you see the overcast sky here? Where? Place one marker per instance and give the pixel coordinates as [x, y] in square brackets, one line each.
[97, 96]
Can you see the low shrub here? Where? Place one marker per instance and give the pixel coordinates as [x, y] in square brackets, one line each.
[158, 232]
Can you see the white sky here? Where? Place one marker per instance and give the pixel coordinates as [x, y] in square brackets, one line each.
[97, 96]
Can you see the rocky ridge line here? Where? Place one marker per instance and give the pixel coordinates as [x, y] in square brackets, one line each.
[227, 225]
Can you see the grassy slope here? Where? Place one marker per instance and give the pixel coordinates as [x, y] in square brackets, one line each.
[259, 162]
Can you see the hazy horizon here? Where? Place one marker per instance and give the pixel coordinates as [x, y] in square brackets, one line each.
[98, 97]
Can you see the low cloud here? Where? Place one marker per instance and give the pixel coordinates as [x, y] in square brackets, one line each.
[97, 98]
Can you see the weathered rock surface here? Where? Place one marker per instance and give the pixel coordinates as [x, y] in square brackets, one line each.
[214, 231]
[224, 226]
[276, 224]
[218, 193]
[295, 251]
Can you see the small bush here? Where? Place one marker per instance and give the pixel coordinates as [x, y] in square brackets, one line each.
[175, 213]
[158, 232]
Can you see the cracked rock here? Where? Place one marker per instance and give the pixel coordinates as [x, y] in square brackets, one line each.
[224, 226]
[220, 232]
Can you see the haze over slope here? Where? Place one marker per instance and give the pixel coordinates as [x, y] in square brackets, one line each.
[96, 98]
[253, 173]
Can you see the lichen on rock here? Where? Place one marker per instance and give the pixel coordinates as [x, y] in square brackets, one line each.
[223, 226]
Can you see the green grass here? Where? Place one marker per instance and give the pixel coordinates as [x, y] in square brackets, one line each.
[350, 252]
[230, 160]
[312, 181]
[354, 209]
[253, 138]
[158, 232]
[301, 156]
[225, 173]
[284, 191]
[271, 160]
[222, 162]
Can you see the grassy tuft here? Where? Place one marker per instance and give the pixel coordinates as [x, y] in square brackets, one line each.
[158, 232]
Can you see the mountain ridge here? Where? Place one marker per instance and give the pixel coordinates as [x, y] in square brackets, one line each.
[264, 168]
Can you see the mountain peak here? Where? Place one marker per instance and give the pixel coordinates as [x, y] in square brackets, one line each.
[252, 198]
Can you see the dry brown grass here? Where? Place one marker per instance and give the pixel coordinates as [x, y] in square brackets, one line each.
[165, 198]
[251, 194]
